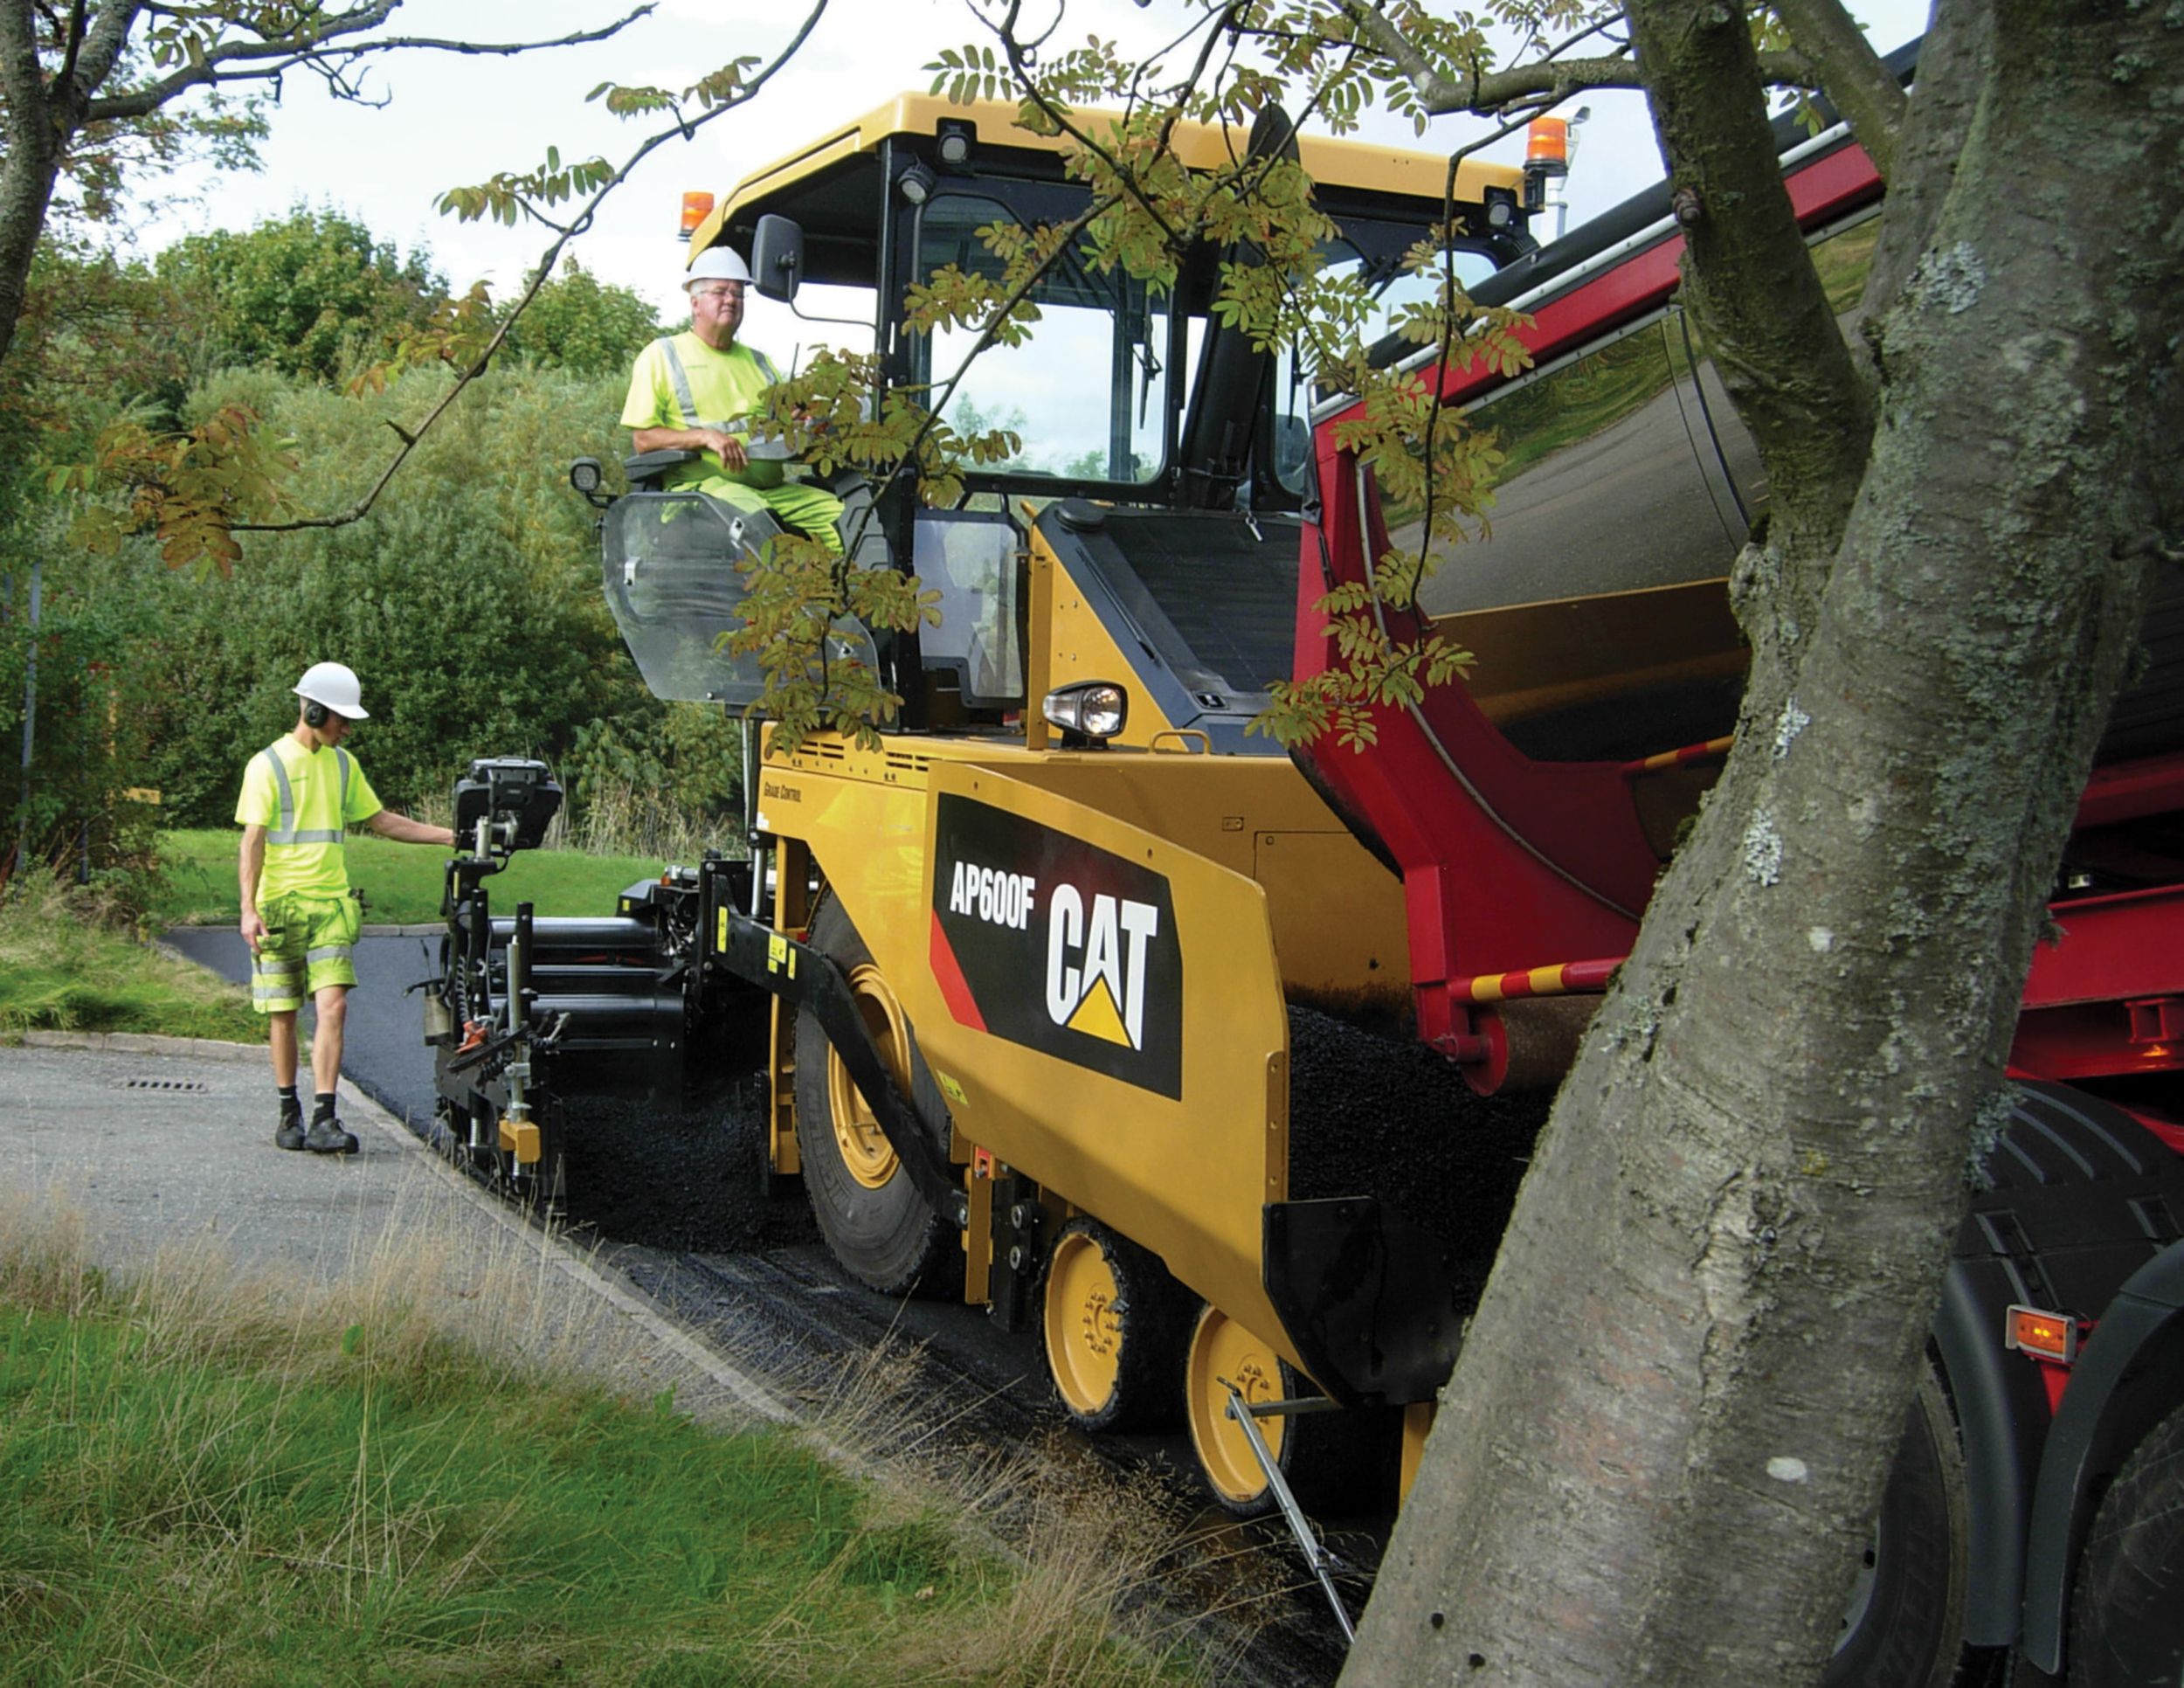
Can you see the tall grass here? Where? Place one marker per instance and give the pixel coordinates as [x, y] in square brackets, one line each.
[69, 961]
[622, 819]
[210, 1476]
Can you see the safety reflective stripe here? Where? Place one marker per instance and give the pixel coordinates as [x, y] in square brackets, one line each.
[341, 758]
[274, 978]
[331, 952]
[686, 405]
[285, 833]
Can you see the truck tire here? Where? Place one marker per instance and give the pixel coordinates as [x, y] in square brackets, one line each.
[2127, 1616]
[871, 1214]
[1905, 1626]
[1113, 1324]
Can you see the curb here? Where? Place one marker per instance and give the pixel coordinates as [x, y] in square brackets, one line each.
[199, 1049]
[752, 1394]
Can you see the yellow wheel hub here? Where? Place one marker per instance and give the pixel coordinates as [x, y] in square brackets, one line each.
[866, 1152]
[1221, 1348]
[1084, 1323]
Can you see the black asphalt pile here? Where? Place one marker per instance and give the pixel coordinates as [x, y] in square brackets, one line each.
[1375, 1115]
[667, 1178]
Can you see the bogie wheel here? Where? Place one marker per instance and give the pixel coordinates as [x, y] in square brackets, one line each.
[873, 1218]
[1905, 1625]
[1334, 1462]
[2127, 1617]
[1114, 1324]
[1222, 1351]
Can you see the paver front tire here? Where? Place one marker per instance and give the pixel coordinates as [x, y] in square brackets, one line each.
[2127, 1617]
[871, 1214]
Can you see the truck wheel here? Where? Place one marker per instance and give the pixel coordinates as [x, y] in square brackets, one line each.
[2127, 1617]
[1114, 1324]
[873, 1218]
[1905, 1626]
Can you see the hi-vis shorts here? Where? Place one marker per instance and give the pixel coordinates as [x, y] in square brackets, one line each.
[308, 946]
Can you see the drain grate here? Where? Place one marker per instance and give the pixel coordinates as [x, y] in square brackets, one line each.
[194, 1086]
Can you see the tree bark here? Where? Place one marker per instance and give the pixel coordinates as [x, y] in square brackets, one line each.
[1662, 1452]
[1851, 74]
[32, 133]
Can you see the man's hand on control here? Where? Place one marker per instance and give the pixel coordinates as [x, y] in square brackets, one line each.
[728, 448]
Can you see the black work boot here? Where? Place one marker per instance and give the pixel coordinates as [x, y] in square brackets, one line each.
[327, 1136]
[289, 1134]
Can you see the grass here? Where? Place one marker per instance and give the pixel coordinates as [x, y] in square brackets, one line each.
[210, 1477]
[65, 967]
[401, 882]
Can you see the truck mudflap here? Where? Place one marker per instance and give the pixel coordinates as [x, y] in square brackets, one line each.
[2129, 1377]
[2079, 1214]
[1367, 1296]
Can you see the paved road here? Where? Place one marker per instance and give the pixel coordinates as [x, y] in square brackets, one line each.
[384, 1054]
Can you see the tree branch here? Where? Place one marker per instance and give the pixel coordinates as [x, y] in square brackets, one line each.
[21, 80]
[1548, 79]
[577, 225]
[104, 45]
[72, 40]
[1954, 63]
[270, 58]
[1850, 73]
[1757, 295]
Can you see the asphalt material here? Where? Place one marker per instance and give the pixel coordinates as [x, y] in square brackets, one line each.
[385, 1055]
[162, 1144]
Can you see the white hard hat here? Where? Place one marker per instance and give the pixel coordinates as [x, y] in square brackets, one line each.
[335, 686]
[717, 264]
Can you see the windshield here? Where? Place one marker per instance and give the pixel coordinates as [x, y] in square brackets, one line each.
[1088, 392]
[1393, 290]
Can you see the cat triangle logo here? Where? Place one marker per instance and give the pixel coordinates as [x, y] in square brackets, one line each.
[1097, 1016]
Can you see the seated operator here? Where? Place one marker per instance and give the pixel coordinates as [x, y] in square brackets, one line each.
[689, 391]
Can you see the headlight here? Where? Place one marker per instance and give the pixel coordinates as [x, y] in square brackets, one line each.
[1091, 709]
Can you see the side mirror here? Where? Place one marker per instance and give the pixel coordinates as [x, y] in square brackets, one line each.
[776, 257]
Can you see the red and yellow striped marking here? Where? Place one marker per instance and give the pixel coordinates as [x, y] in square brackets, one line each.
[1565, 978]
[1712, 750]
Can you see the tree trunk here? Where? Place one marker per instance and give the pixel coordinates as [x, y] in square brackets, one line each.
[1661, 1453]
[26, 190]
[30, 144]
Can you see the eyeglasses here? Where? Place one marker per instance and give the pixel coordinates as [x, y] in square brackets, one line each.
[726, 290]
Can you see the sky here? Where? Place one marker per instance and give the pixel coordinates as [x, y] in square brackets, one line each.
[453, 121]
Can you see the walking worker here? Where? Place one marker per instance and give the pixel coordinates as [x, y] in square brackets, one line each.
[683, 379]
[299, 794]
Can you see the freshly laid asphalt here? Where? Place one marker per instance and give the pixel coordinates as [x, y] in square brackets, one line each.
[386, 1056]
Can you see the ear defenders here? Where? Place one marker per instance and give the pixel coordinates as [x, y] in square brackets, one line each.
[316, 714]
